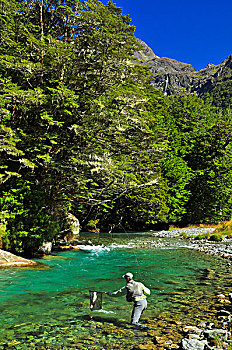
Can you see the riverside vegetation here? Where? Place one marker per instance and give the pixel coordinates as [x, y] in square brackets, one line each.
[83, 130]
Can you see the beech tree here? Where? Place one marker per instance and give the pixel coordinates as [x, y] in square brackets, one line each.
[77, 103]
[198, 166]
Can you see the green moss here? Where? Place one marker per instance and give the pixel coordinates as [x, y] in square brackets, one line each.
[183, 234]
[203, 236]
[216, 237]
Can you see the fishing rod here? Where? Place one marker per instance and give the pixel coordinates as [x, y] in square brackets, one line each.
[96, 296]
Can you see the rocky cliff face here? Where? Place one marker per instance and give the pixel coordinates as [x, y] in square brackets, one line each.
[174, 77]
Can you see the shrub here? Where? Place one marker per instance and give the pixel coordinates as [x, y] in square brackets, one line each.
[224, 228]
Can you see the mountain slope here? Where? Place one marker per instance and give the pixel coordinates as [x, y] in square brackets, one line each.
[174, 77]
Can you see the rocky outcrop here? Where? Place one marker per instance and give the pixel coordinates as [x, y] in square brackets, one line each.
[45, 248]
[174, 77]
[74, 225]
[8, 260]
[70, 228]
[146, 52]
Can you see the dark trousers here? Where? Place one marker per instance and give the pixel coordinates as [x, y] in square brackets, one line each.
[139, 307]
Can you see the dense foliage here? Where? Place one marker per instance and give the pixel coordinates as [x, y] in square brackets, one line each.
[83, 131]
[201, 145]
[221, 93]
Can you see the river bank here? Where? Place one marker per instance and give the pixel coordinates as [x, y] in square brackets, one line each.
[215, 333]
[189, 237]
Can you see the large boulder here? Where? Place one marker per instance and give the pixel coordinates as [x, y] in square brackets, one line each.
[71, 228]
[46, 248]
[74, 225]
[7, 260]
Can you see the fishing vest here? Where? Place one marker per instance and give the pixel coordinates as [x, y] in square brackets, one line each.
[134, 291]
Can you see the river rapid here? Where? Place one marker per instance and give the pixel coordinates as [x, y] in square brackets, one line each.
[48, 307]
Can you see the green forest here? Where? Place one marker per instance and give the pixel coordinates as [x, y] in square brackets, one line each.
[83, 131]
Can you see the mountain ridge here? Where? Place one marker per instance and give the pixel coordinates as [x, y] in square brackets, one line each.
[175, 77]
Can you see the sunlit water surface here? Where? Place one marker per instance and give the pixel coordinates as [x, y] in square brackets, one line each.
[48, 308]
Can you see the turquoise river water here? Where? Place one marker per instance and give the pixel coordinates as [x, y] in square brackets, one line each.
[48, 307]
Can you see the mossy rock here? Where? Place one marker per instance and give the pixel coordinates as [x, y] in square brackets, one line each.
[215, 238]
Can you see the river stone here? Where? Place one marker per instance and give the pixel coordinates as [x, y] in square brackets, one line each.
[202, 324]
[221, 296]
[193, 344]
[194, 336]
[223, 313]
[214, 333]
[192, 330]
[211, 325]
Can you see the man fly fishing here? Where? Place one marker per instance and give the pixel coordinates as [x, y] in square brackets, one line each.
[135, 292]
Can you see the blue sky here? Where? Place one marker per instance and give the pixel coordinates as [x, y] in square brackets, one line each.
[196, 32]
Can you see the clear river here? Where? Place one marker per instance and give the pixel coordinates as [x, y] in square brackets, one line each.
[48, 307]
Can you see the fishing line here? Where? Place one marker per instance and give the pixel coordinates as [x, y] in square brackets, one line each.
[136, 259]
[95, 297]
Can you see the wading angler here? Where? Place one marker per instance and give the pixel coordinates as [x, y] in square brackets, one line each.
[135, 292]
